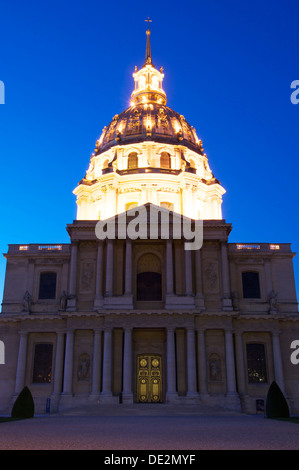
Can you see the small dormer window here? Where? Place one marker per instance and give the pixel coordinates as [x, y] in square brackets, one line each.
[132, 161]
[165, 160]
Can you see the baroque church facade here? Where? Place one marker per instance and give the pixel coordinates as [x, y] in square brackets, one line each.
[140, 319]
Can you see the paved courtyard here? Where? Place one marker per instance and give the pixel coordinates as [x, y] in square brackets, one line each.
[149, 429]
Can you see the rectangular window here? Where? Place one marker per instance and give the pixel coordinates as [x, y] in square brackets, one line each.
[256, 363]
[47, 286]
[42, 365]
[251, 285]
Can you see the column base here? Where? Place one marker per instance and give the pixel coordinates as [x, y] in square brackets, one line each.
[98, 302]
[200, 302]
[227, 304]
[233, 401]
[127, 398]
[71, 304]
[171, 397]
[108, 399]
[192, 397]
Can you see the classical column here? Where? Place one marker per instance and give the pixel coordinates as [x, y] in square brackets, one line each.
[202, 363]
[169, 268]
[268, 276]
[226, 297]
[277, 360]
[199, 300]
[188, 273]
[191, 364]
[71, 303]
[109, 269]
[21, 366]
[99, 276]
[30, 276]
[107, 364]
[127, 395]
[73, 269]
[68, 363]
[240, 363]
[128, 267]
[96, 368]
[171, 365]
[230, 363]
[58, 363]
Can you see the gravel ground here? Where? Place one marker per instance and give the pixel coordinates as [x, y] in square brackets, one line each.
[145, 432]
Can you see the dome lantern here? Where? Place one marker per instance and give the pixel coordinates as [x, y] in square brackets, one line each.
[148, 80]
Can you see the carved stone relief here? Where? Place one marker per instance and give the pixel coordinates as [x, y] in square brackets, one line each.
[87, 276]
[211, 278]
[83, 367]
[215, 368]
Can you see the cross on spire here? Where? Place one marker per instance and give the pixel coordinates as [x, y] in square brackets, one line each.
[148, 52]
[148, 22]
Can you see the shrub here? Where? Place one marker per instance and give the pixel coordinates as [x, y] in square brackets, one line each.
[276, 404]
[24, 405]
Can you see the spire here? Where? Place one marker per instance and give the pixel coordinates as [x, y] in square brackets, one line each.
[148, 80]
[148, 52]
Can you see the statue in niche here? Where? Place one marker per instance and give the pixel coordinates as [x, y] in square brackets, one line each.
[215, 368]
[235, 300]
[63, 301]
[83, 367]
[273, 302]
[27, 302]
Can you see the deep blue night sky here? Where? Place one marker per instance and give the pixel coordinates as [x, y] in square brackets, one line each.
[67, 68]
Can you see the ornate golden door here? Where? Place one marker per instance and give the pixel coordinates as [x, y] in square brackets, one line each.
[149, 378]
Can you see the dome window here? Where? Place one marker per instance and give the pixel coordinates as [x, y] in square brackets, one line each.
[132, 161]
[165, 160]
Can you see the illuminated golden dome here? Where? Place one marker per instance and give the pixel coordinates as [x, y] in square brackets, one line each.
[149, 121]
[148, 117]
[149, 153]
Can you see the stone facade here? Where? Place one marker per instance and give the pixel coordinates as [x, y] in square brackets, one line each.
[100, 330]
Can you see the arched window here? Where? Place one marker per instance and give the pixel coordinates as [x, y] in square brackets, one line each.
[105, 164]
[132, 161]
[42, 364]
[149, 278]
[251, 285]
[165, 160]
[256, 362]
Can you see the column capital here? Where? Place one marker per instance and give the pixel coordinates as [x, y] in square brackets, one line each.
[128, 328]
[200, 329]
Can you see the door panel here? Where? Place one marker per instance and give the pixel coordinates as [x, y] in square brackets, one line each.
[149, 378]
